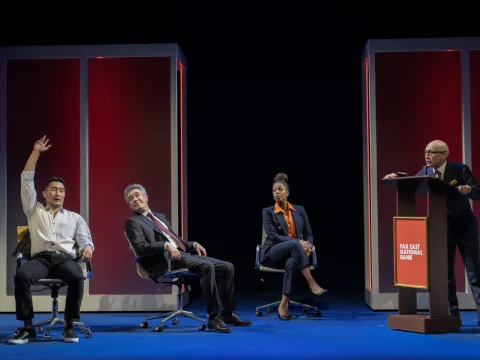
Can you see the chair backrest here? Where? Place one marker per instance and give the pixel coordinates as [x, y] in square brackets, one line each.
[140, 270]
[24, 247]
[261, 267]
[264, 236]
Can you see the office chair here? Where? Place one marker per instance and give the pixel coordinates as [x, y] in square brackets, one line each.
[176, 278]
[260, 267]
[23, 238]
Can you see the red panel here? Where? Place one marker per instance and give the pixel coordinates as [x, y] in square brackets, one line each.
[43, 98]
[475, 119]
[418, 99]
[129, 142]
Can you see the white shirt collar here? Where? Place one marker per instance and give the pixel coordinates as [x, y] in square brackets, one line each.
[442, 169]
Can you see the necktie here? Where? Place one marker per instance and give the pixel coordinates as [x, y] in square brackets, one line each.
[438, 174]
[166, 231]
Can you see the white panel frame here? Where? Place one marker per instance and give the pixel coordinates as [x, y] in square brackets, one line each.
[102, 303]
[389, 301]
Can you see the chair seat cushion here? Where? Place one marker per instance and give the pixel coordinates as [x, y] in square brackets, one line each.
[176, 273]
[51, 282]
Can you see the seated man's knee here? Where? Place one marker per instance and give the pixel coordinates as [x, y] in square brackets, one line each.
[21, 276]
[75, 275]
[208, 267]
[230, 268]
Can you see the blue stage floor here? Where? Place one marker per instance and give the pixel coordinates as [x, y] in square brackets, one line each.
[347, 330]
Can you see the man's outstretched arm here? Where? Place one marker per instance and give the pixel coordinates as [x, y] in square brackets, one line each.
[28, 193]
[40, 146]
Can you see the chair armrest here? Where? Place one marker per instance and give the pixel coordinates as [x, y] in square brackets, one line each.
[19, 257]
[314, 258]
[88, 264]
[86, 267]
[169, 261]
[257, 257]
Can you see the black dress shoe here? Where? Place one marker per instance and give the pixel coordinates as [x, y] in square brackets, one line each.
[454, 313]
[233, 319]
[288, 317]
[216, 324]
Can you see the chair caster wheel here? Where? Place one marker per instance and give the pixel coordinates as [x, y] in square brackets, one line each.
[47, 336]
[318, 313]
[270, 310]
[144, 325]
[88, 334]
[202, 327]
[258, 313]
[175, 321]
[159, 328]
[305, 309]
[40, 330]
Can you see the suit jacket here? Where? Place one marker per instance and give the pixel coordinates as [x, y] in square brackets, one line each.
[461, 222]
[148, 242]
[276, 228]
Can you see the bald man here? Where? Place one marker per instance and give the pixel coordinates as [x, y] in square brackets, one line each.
[462, 227]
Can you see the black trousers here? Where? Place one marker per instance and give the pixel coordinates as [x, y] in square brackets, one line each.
[471, 260]
[54, 265]
[216, 280]
[290, 256]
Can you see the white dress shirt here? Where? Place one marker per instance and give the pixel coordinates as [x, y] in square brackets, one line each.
[441, 170]
[48, 232]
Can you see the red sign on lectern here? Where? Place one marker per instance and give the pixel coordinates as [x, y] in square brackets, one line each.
[410, 252]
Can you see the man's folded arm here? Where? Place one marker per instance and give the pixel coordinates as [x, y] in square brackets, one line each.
[83, 236]
[139, 243]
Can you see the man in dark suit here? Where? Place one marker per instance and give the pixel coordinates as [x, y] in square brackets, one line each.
[462, 227]
[151, 234]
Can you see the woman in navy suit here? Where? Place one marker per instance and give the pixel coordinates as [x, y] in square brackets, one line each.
[289, 242]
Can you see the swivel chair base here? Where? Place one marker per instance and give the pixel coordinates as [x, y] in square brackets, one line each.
[56, 320]
[305, 308]
[175, 315]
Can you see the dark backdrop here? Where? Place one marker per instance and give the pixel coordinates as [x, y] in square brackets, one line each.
[269, 90]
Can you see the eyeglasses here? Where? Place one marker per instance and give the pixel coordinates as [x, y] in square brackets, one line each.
[430, 152]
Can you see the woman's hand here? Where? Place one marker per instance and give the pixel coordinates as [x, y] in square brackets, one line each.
[306, 246]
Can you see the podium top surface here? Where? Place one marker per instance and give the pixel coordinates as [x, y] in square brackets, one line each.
[422, 184]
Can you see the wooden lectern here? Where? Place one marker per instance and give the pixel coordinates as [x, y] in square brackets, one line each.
[434, 275]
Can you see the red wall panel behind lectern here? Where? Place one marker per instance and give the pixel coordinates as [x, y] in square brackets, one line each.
[475, 119]
[129, 142]
[418, 99]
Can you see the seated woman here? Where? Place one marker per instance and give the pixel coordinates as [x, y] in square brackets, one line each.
[289, 242]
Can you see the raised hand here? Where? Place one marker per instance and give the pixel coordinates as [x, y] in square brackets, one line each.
[41, 144]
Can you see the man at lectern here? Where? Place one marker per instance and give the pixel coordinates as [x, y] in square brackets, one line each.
[462, 226]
